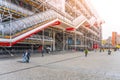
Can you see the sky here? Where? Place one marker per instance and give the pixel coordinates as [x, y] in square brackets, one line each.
[109, 11]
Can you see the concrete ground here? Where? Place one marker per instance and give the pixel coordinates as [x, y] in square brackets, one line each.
[63, 66]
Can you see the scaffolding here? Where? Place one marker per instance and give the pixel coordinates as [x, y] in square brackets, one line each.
[22, 21]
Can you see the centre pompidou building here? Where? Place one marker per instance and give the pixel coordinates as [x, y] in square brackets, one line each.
[58, 24]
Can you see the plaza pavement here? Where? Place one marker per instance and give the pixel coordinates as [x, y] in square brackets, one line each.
[63, 66]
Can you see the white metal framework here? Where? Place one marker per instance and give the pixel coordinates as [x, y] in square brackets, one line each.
[21, 22]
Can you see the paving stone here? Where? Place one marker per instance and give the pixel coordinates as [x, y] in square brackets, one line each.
[71, 66]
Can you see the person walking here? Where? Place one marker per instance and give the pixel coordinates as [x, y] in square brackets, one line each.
[26, 56]
[109, 51]
[86, 52]
[23, 57]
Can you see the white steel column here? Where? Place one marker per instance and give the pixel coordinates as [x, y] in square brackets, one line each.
[51, 45]
[63, 41]
[43, 40]
[75, 40]
[53, 41]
